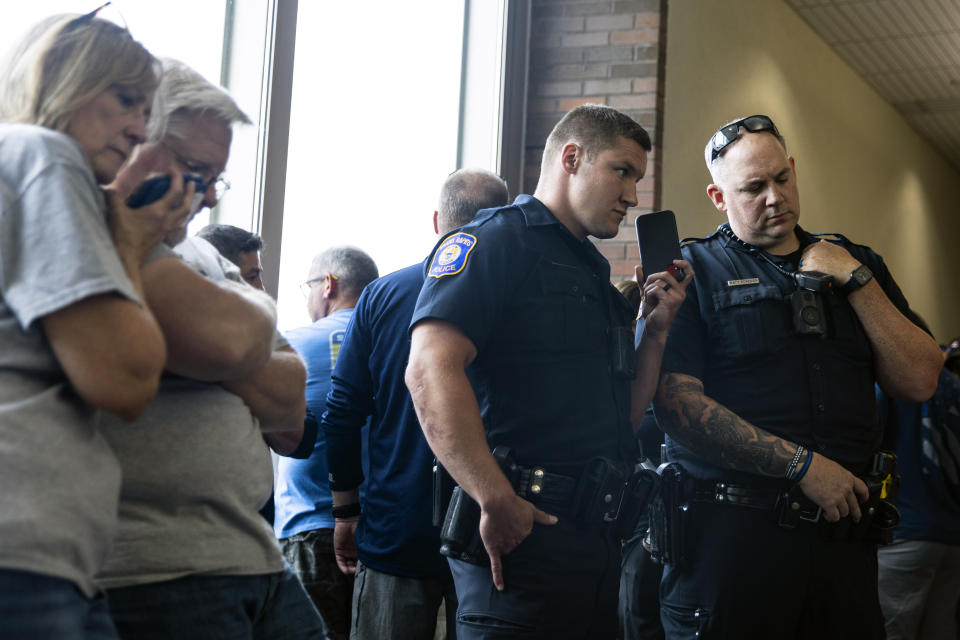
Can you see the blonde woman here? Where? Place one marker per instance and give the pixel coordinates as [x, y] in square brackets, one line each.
[75, 336]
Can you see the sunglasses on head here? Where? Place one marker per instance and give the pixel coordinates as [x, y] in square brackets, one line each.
[729, 134]
[87, 18]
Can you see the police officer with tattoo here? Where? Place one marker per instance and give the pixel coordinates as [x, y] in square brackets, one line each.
[767, 399]
[522, 301]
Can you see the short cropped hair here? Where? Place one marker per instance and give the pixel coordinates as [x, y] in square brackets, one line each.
[353, 268]
[65, 61]
[231, 241]
[184, 94]
[467, 191]
[595, 128]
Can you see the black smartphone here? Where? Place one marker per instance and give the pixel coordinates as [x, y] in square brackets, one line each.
[659, 243]
[152, 189]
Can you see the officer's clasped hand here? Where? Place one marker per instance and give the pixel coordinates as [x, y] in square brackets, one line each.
[828, 258]
[834, 489]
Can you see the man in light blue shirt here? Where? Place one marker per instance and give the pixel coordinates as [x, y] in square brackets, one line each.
[303, 519]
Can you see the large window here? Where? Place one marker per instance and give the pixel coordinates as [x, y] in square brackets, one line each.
[161, 27]
[387, 99]
[373, 133]
[199, 42]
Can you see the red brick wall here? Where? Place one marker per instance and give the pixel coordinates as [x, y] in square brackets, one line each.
[608, 53]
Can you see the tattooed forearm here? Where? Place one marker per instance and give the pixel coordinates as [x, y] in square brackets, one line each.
[715, 433]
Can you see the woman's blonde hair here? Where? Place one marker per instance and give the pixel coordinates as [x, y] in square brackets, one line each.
[65, 61]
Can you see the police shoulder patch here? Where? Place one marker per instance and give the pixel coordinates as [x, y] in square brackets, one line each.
[451, 256]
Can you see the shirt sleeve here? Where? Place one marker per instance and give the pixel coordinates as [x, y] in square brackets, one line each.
[204, 258]
[473, 297]
[55, 246]
[686, 349]
[349, 402]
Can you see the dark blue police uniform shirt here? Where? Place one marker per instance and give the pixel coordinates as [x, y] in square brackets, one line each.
[734, 332]
[538, 305]
[395, 534]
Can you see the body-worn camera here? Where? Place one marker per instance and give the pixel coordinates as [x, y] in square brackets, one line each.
[809, 312]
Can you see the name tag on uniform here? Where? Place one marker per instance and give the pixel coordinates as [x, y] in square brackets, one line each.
[451, 255]
[740, 283]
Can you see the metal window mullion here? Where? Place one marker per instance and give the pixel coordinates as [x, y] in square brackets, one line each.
[276, 95]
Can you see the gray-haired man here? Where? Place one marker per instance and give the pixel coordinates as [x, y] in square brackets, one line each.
[192, 557]
[304, 520]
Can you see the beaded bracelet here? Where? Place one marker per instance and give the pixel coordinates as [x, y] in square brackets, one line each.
[796, 459]
[806, 465]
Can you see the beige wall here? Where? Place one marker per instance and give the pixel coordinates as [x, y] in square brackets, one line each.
[861, 169]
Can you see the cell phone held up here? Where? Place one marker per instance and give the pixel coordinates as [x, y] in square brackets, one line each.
[659, 243]
[152, 189]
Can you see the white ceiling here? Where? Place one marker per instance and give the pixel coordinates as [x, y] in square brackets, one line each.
[908, 50]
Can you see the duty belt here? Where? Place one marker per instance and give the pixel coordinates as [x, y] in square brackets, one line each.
[602, 493]
[544, 488]
[791, 505]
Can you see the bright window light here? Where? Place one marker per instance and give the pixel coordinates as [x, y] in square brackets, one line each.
[373, 133]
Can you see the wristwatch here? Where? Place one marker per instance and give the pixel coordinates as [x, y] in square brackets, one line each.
[858, 277]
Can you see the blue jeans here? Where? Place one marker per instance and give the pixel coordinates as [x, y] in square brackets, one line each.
[38, 607]
[272, 606]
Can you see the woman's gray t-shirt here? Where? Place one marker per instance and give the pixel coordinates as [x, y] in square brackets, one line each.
[59, 477]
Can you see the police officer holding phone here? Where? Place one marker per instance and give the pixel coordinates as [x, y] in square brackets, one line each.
[767, 400]
[523, 300]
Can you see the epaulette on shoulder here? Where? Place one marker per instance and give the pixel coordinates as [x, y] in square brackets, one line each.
[486, 215]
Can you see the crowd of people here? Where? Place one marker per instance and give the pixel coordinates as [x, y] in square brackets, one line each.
[495, 442]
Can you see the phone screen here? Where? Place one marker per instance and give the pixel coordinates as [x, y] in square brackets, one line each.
[658, 240]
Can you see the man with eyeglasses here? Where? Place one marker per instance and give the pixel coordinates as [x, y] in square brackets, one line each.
[304, 515]
[192, 557]
[767, 399]
[392, 546]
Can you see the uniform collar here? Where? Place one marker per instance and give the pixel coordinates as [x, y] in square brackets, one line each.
[535, 213]
[730, 239]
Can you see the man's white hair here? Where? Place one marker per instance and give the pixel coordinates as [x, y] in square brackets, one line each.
[183, 93]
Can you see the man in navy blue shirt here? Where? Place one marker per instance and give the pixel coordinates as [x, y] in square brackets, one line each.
[522, 298]
[767, 400]
[401, 577]
[304, 520]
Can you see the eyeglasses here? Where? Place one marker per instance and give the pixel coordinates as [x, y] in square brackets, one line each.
[730, 133]
[207, 177]
[305, 287]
